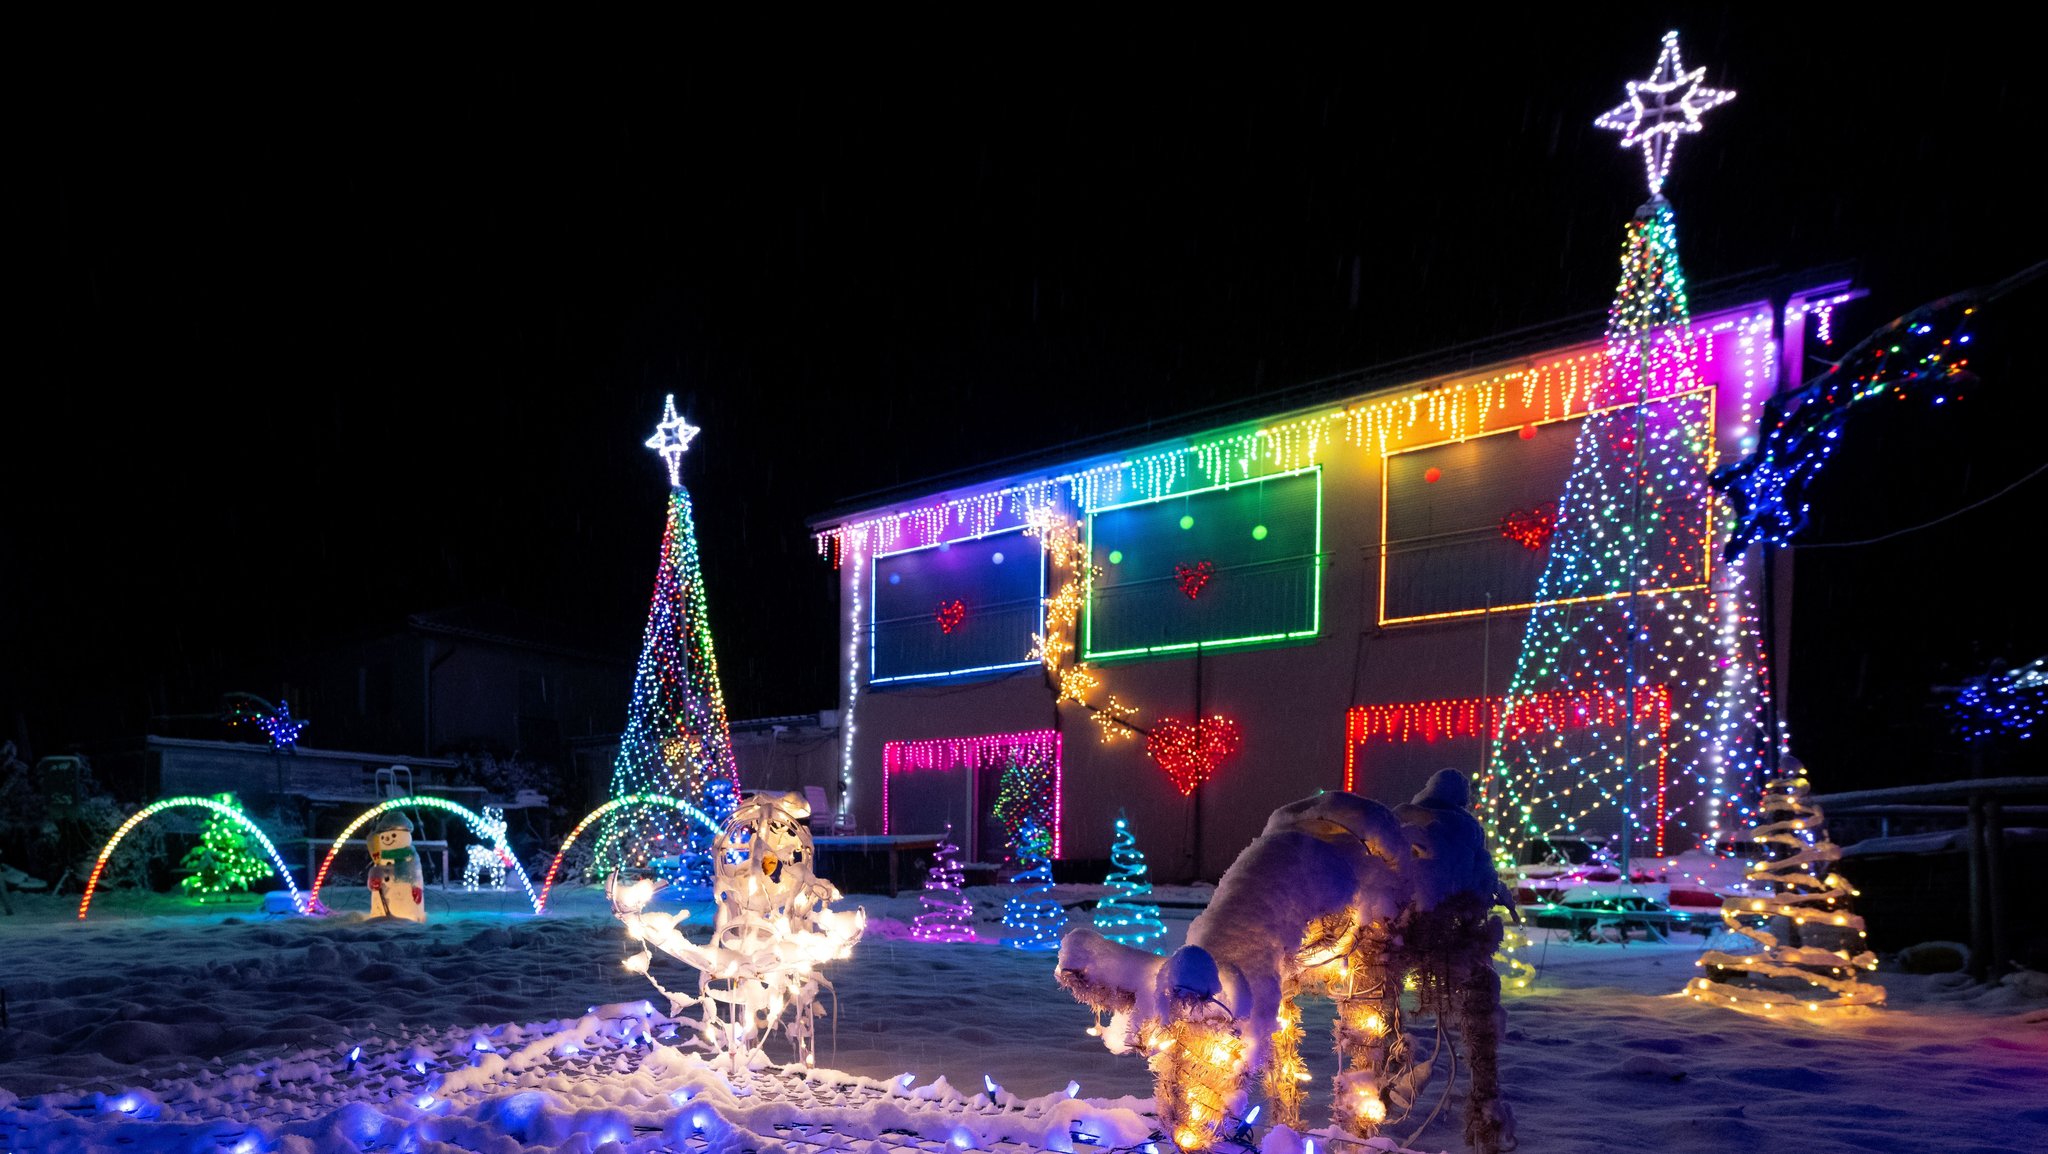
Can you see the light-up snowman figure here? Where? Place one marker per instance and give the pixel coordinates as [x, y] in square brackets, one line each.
[771, 932]
[397, 885]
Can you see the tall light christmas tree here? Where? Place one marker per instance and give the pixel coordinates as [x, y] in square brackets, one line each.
[1120, 916]
[1631, 617]
[677, 740]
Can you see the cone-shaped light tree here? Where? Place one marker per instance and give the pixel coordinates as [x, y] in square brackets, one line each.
[1121, 916]
[1035, 919]
[677, 739]
[223, 860]
[947, 916]
[1631, 619]
[1807, 945]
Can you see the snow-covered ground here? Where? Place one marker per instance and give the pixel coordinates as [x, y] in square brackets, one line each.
[158, 1025]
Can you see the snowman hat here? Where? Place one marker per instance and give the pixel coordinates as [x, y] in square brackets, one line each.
[393, 819]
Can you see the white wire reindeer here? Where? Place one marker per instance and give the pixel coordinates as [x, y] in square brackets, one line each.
[487, 863]
[1339, 895]
[771, 932]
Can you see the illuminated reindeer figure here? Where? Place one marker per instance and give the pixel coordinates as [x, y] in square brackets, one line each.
[1339, 895]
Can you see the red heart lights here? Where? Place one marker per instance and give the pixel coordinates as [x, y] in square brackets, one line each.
[1193, 577]
[1190, 753]
[1530, 528]
[951, 614]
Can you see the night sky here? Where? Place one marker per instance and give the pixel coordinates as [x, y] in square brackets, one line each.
[312, 346]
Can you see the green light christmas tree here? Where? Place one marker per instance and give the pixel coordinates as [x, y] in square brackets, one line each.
[223, 860]
[1121, 917]
[677, 739]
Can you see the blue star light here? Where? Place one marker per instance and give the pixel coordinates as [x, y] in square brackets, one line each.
[672, 439]
[282, 728]
[1661, 109]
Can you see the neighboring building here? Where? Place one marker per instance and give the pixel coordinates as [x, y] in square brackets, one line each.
[1345, 574]
[477, 677]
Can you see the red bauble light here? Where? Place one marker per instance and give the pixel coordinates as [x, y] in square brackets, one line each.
[1528, 432]
[1431, 474]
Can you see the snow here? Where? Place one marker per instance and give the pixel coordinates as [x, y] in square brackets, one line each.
[160, 1025]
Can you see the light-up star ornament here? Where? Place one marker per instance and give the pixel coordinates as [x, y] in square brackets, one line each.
[281, 727]
[672, 439]
[1662, 108]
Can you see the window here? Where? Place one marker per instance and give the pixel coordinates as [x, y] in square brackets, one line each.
[1234, 564]
[956, 608]
[1469, 525]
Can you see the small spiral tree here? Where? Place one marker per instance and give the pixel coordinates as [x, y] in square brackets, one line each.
[1036, 919]
[1808, 945]
[1121, 917]
[947, 916]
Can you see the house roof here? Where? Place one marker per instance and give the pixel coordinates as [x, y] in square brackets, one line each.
[498, 624]
[1706, 297]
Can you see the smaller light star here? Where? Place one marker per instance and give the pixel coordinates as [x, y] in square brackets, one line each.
[282, 728]
[672, 439]
[1662, 108]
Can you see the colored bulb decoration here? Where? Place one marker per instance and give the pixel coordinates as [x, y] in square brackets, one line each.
[950, 614]
[276, 721]
[1120, 916]
[1191, 752]
[677, 739]
[224, 859]
[947, 916]
[1807, 946]
[1036, 921]
[1530, 528]
[1627, 601]
[1192, 579]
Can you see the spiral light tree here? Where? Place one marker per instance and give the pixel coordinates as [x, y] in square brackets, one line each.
[1808, 946]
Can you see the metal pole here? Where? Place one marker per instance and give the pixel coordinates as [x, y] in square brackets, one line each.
[1980, 937]
[1994, 888]
[1635, 549]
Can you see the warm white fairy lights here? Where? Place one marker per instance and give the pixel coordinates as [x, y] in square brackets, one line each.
[1661, 109]
[1809, 947]
[772, 931]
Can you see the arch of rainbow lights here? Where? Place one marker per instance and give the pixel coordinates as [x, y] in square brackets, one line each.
[555, 866]
[476, 824]
[299, 901]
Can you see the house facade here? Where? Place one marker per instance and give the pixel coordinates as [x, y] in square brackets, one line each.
[1337, 592]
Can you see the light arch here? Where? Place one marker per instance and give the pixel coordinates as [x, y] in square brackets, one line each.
[555, 866]
[476, 823]
[299, 901]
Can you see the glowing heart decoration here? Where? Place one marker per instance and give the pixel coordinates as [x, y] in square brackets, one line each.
[951, 614]
[1530, 528]
[1193, 577]
[1190, 753]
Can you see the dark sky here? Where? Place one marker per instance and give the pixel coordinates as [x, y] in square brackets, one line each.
[313, 345]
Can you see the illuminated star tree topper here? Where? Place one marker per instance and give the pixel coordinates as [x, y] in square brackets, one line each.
[1661, 109]
[671, 439]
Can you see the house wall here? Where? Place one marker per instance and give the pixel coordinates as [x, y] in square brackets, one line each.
[1290, 700]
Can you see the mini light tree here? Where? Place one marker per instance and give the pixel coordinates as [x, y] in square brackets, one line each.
[947, 916]
[1037, 919]
[223, 860]
[1120, 917]
[1808, 945]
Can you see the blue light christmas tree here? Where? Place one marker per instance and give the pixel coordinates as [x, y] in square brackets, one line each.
[947, 916]
[1121, 917]
[677, 739]
[1037, 919]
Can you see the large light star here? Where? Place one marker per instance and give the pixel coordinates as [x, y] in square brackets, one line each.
[1660, 109]
[281, 727]
[672, 439]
